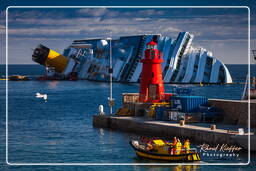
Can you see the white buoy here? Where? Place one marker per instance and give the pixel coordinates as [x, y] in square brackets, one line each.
[101, 110]
[43, 96]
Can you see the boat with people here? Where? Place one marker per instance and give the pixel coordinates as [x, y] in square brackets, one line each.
[158, 149]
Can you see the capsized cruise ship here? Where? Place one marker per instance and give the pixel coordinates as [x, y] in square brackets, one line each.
[89, 59]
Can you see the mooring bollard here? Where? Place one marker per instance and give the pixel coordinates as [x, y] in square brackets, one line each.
[213, 127]
[101, 110]
[182, 122]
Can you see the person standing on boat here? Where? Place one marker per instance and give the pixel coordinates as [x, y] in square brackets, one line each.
[178, 147]
[186, 146]
[149, 147]
[173, 144]
[174, 141]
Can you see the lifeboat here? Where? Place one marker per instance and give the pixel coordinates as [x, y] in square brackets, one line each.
[18, 78]
[161, 151]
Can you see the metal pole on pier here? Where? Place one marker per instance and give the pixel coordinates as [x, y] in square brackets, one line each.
[111, 100]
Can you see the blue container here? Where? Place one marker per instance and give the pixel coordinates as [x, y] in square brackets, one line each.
[175, 103]
[159, 113]
[190, 103]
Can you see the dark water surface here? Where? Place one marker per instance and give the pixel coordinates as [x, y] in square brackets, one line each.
[60, 130]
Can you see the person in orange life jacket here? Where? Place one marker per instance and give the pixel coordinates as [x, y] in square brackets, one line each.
[149, 146]
[172, 151]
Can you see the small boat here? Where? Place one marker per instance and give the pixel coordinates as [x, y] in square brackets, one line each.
[18, 78]
[161, 152]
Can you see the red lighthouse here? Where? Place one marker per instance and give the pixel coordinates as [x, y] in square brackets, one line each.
[151, 83]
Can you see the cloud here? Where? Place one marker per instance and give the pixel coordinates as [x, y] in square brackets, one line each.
[78, 25]
[111, 12]
[2, 29]
[123, 25]
[15, 13]
[50, 22]
[37, 26]
[145, 13]
[93, 12]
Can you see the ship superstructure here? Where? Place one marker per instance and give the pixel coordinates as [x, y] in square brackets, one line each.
[183, 63]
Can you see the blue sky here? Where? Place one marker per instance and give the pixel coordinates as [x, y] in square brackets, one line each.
[220, 30]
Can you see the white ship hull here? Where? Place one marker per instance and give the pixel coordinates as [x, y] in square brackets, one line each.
[182, 62]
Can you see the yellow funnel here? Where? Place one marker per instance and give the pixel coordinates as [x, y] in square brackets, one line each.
[48, 57]
[56, 60]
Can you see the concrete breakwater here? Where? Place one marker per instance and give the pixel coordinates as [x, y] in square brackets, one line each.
[235, 116]
[236, 112]
[139, 125]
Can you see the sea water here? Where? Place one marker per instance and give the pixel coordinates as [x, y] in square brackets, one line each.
[60, 129]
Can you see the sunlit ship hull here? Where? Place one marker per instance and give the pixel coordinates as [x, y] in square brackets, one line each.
[89, 59]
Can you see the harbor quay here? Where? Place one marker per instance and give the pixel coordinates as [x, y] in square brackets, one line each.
[142, 126]
[236, 112]
[235, 116]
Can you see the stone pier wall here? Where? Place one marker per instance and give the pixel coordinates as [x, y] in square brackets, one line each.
[160, 129]
[235, 111]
